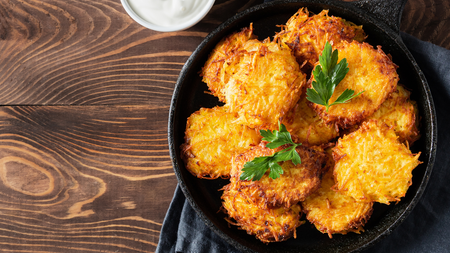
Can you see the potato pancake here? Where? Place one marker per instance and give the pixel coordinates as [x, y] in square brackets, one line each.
[306, 126]
[400, 112]
[214, 72]
[266, 84]
[294, 185]
[267, 224]
[334, 213]
[212, 137]
[373, 165]
[306, 35]
[371, 71]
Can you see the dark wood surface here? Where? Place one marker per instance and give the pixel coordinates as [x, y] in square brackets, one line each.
[84, 95]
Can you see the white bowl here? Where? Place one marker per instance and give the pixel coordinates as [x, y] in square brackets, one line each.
[192, 20]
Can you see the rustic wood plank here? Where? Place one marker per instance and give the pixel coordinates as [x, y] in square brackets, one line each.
[85, 53]
[83, 178]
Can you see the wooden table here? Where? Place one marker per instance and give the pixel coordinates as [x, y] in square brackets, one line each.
[85, 94]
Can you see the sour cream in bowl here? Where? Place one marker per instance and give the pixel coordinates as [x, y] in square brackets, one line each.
[167, 15]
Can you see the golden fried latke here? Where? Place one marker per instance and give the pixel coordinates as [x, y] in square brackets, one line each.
[266, 84]
[306, 126]
[371, 71]
[373, 165]
[400, 112]
[267, 224]
[306, 35]
[294, 185]
[212, 137]
[335, 213]
[214, 72]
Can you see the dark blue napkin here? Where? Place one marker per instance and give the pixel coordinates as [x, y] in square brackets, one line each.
[426, 229]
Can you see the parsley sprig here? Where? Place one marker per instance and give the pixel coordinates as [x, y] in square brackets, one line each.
[328, 74]
[255, 169]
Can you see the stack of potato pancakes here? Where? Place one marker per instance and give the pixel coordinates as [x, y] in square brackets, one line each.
[352, 155]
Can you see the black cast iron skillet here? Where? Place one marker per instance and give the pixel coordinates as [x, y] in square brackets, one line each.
[381, 21]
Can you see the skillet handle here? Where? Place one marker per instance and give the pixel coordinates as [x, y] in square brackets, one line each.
[387, 11]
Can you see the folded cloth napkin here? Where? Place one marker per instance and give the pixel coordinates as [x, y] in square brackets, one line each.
[426, 229]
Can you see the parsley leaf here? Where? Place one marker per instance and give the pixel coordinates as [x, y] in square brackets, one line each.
[255, 169]
[328, 74]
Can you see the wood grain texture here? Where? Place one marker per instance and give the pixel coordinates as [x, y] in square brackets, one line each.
[428, 21]
[87, 177]
[84, 100]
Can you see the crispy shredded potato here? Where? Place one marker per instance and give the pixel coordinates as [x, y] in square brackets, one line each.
[371, 71]
[334, 213]
[215, 72]
[373, 165]
[266, 84]
[267, 224]
[261, 81]
[306, 126]
[212, 137]
[306, 35]
[294, 185]
[400, 112]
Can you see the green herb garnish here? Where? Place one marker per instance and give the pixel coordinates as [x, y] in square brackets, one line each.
[255, 169]
[328, 74]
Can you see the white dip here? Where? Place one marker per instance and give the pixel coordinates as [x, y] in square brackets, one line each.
[167, 12]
